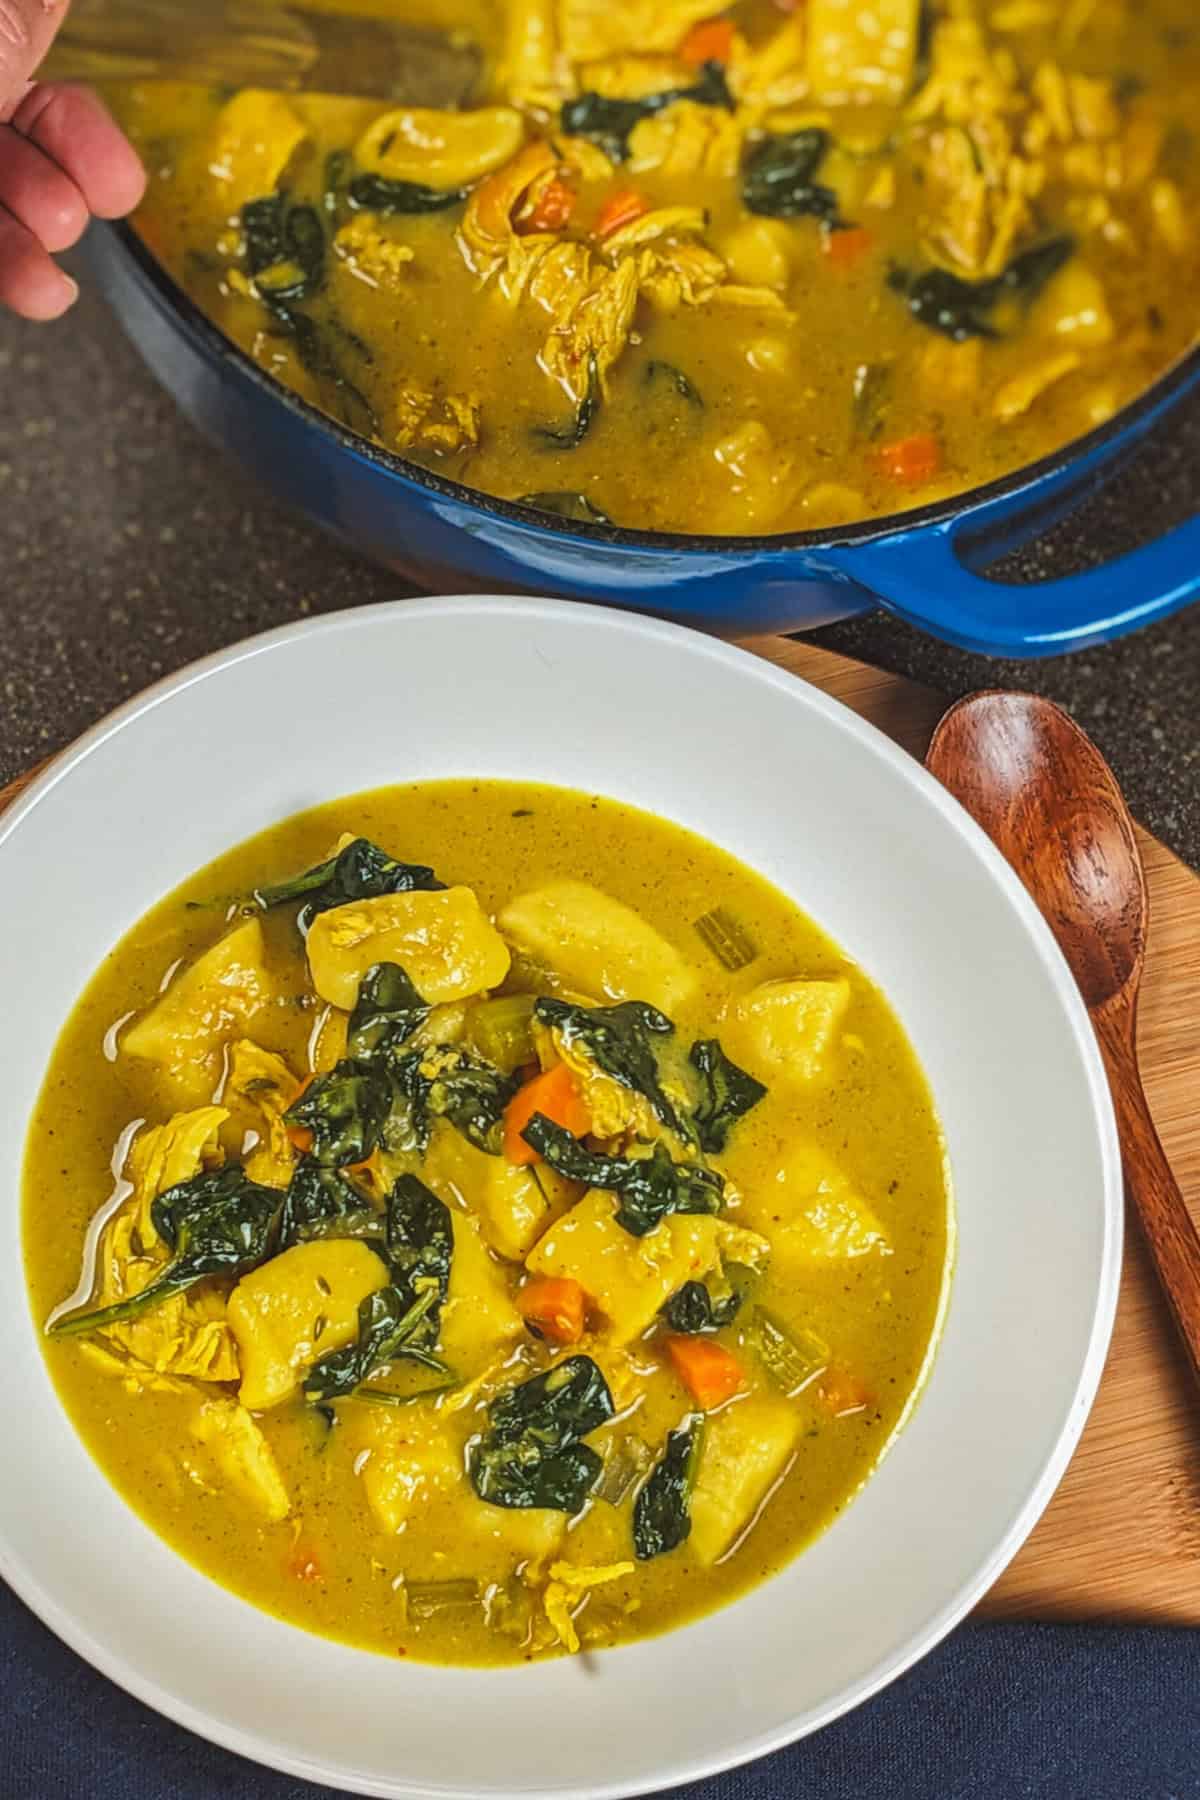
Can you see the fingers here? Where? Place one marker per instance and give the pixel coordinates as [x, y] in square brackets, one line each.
[75, 130]
[38, 194]
[27, 28]
[31, 282]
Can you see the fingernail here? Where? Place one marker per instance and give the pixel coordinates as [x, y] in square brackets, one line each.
[73, 287]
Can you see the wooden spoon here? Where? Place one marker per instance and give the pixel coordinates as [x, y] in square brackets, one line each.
[1052, 806]
[254, 43]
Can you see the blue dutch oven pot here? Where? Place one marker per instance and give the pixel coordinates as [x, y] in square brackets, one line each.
[923, 565]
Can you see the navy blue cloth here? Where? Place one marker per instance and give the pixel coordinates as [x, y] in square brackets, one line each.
[999, 1712]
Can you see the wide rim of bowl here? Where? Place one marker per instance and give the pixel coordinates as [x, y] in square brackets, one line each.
[1029, 477]
[529, 609]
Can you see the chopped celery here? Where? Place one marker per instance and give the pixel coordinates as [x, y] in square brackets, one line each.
[427, 1598]
[502, 1031]
[421, 1389]
[628, 1460]
[791, 1359]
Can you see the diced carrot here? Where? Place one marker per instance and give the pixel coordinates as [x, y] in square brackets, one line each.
[556, 1096]
[911, 460]
[709, 1372]
[841, 1392]
[709, 41]
[304, 1564]
[301, 1135]
[621, 208]
[847, 247]
[555, 1307]
[552, 209]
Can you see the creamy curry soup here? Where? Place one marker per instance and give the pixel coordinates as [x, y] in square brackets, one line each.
[820, 260]
[519, 1248]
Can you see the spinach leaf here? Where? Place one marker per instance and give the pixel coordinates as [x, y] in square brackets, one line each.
[402, 1319]
[777, 177]
[345, 400]
[262, 228]
[285, 249]
[658, 371]
[872, 398]
[304, 243]
[316, 1199]
[337, 167]
[617, 1039]
[387, 1012]
[216, 1223]
[569, 437]
[649, 1188]
[960, 309]
[532, 1454]
[729, 1093]
[692, 1309]
[420, 1246]
[345, 1110]
[467, 1091]
[662, 1519]
[610, 123]
[362, 871]
[387, 1332]
[374, 193]
[567, 506]
[473, 1096]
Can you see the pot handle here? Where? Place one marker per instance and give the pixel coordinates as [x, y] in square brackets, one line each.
[920, 574]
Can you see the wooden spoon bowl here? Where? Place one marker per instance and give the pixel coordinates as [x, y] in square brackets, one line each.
[1050, 803]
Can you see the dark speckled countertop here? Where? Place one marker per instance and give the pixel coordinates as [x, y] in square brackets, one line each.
[128, 547]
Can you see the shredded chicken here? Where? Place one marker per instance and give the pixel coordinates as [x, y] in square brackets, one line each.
[862, 50]
[568, 1587]
[242, 1455]
[442, 422]
[594, 331]
[772, 76]
[489, 238]
[591, 29]
[370, 254]
[1018, 395]
[184, 1334]
[687, 139]
[264, 1081]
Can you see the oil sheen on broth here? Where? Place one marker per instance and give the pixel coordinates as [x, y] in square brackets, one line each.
[350, 1422]
[821, 262]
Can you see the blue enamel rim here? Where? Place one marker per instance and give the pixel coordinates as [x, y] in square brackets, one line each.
[1172, 384]
[920, 564]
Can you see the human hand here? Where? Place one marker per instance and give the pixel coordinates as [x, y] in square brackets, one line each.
[62, 158]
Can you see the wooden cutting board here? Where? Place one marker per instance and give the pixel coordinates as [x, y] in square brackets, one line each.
[1121, 1538]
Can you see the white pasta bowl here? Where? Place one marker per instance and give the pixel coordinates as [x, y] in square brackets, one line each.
[864, 840]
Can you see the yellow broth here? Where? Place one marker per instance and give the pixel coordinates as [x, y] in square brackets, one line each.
[328, 1565]
[774, 364]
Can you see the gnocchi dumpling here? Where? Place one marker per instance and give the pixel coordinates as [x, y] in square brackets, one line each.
[254, 138]
[294, 1310]
[745, 1450]
[221, 992]
[411, 1466]
[787, 1027]
[514, 1205]
[625, 1278]
[597, 944]
[444, 942]
[440, 149]
[813, 1212]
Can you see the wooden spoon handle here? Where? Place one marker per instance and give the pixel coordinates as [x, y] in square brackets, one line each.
[1149, 1184]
